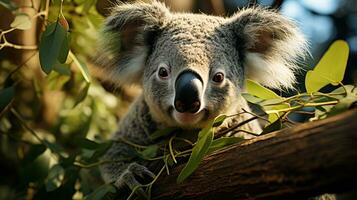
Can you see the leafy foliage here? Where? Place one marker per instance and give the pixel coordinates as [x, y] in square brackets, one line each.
[330, 69]
[44, 115]
[54, 125]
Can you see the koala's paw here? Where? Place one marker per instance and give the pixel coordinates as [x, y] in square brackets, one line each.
[135, 175]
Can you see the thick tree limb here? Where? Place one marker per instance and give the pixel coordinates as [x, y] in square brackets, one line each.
[303, 161]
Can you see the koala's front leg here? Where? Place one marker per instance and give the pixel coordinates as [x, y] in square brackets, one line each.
[124, 174]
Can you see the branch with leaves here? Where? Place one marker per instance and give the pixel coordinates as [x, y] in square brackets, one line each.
[65, 154]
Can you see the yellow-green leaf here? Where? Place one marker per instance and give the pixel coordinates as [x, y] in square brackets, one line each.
[219, 120]
[22, 21]
[330, 69]
[223, 142]
[201, 148]
[81, 65]
[257, 90]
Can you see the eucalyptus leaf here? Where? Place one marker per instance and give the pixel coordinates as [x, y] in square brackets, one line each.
[100, 150]
[258, 90]
[54, 178]
[62, 56]
[251, 98]
[274, 126]
[101, 192]
[6, 96]
[345, 103]
[51, 46]
[223, 142]
[54, 147]
[8, 4]
[34, 151]
[330, 69]
[219, 120]
[22, 21]
[274, 116]
[162, 133]
[81, 65]
[87, 144]
[62, 69]
[201, 148]
[149, 152]
[82, 94]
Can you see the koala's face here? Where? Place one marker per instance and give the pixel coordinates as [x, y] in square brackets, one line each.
[193, 73]
[192, 66]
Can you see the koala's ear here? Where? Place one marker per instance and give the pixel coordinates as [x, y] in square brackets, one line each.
[270, 44]
[127, 38]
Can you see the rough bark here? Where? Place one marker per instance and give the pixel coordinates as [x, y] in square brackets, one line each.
[307, 160]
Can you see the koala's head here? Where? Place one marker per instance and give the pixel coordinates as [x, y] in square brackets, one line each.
[192, 66]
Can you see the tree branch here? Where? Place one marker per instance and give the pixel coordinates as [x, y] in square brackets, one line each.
[307, 160]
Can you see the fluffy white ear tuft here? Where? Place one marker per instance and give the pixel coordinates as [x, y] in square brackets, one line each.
[272, 46]
[126, 39]
[269, 73]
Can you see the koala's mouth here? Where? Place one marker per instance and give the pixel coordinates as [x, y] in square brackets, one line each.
[189, 119]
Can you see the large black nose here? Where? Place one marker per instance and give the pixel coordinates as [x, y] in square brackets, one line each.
[188, 89]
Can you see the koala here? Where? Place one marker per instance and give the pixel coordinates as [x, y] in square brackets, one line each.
[191, 68]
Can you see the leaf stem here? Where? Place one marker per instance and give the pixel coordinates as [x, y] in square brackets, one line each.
[121, 139]
[171, 149]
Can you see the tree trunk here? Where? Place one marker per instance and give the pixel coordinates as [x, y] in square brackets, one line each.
[307, 160]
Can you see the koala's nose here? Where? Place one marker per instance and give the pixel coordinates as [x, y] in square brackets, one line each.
[188, 89]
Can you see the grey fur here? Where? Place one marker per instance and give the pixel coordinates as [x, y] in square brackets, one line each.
[254, 43]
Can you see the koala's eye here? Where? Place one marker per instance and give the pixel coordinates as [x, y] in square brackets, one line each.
[163, 72]
[218, 77]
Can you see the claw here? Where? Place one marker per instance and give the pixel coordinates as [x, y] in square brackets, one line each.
[128, 178]
[141, 171]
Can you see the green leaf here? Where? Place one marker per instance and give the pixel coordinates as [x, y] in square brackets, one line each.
[201, 148]
[223, 142]
[54, 178]
[6, 96]
[257, 90]
[81, 65]
[251, 98]
[149, 152]
[87, 144]
[55, 80]
[62, 57]
[62, 69]
[101, 192]
[219, 120]
[82, 94]
[92, 150]
[345, 103]
[22, 21]
[50, 46]
[274, 126]
[8, 4]
[273, 116]
[101, 150]
[36, 170]
[55, 148]
[35, 151]
[330, 69]
[162, 133]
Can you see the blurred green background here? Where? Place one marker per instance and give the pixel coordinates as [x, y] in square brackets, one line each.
[45, 118]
